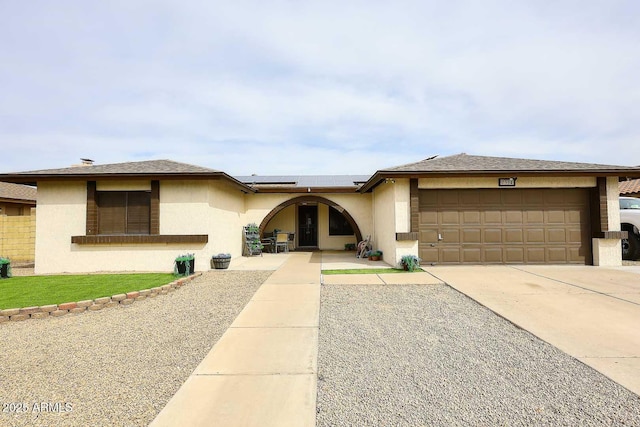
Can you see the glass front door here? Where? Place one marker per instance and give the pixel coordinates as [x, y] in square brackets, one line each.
[308, 226]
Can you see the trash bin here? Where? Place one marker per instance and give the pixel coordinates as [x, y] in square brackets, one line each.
[5, 268]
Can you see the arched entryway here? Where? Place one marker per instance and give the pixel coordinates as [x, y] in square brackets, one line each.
[312, 199]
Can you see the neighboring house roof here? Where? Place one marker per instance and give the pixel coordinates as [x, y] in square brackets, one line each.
[303, 183]
[469, 165]
[18, 193]
[151, 169]
[630, 187]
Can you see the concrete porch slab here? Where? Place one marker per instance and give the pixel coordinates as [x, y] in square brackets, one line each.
[262, 351]
[346, 260]
[239, 400]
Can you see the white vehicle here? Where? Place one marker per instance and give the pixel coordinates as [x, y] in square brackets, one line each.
[630, 221]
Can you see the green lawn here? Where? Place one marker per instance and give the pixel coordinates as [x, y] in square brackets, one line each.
[31, 291]
[367, 271]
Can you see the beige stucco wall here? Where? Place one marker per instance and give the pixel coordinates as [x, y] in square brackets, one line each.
[285, 220]
[521, 182]
[608, 252]
[62, 211]
[392, 214]
[325, 241]
[186, 207]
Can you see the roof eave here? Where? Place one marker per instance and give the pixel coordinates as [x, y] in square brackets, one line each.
[18, 201]
[297, 190]
[33, 179]
[380, 176]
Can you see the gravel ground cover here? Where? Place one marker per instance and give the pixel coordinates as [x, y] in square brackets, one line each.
[430, 356]
[118, 366]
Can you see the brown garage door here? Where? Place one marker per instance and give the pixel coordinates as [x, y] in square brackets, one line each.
[520, 226]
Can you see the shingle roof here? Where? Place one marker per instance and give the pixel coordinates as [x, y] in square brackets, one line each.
[629, 187]
[468, 165]
[305, 181]
[465, 162]
[149, 167]
[166, 169]
[17, 192]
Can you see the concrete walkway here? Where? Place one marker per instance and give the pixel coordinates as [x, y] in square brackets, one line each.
[590, 313]
[263, 371]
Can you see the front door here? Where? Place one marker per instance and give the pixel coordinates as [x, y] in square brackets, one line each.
[307, 226]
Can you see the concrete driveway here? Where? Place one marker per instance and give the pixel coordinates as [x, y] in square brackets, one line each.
[590, 313]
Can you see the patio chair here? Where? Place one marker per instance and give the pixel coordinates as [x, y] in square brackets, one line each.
[268, 240]
[292, 241]
[282, 241]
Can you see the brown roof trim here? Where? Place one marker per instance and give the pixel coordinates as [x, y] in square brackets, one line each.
[306, 190]
[33, 179]
[18, 201]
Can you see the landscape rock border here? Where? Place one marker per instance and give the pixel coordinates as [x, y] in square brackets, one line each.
[57, 310]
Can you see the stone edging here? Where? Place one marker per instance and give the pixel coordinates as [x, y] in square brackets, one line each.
[53, 310]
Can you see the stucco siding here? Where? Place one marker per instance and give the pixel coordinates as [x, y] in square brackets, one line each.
[285, 220]
[62, 213]
[325, 241]
[384, 212]
[186, 207]
[521, 182]
[608, 252]
[226, 204]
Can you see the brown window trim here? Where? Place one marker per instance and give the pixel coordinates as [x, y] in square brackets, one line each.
[139, 239]
[92, 209]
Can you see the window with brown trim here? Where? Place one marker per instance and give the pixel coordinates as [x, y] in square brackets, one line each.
[124, 212]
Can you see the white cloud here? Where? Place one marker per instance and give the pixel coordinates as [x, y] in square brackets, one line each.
[327, 85]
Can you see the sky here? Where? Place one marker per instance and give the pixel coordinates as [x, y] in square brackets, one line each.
[322, 87]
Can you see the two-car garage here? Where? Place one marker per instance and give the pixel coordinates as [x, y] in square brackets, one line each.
[467, 209]
[501, 226]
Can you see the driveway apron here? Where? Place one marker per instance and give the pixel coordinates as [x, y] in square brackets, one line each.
[590, 313]
[263, 370]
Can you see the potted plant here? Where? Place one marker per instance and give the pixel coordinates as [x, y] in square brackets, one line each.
[220, 261]
[375, 255]
[410, 262]
[5, 268]
[184, 265]
[349, 246]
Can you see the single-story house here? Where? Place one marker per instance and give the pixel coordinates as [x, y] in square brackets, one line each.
[460, 209]
[630, 188]
[16, 199]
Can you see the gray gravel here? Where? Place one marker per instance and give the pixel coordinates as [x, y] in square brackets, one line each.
[428, 355]
[118, 366]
